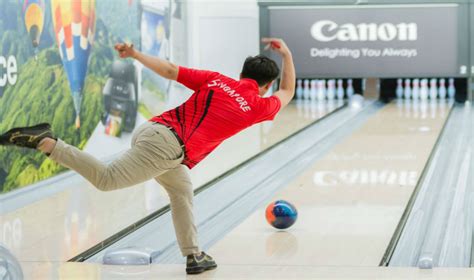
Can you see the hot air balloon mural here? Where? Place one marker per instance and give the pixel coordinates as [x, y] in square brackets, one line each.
[33, 12]
[74, 26]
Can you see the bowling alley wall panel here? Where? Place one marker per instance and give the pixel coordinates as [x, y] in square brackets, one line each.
[76, 82]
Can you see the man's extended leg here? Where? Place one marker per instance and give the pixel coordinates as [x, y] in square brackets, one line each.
[177, 184]
[154, 150]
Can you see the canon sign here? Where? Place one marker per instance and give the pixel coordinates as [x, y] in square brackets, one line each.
[327, 30]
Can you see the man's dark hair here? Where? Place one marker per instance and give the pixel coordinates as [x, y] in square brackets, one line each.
[261, 69]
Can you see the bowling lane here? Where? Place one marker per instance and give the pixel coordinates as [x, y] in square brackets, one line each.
[350, 201]
[256, 139]
[91, 271]
[305, 112]
[74, 216]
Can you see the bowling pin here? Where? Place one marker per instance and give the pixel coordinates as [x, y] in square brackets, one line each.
[416, 108]
[424, 89]
[451, 89]
[442, 108]
[306, 90]
[299, 89]
[313, 107]
[299, 107]
[433, 89]
[350, 88]
[331, 104]
[306, 110]
[340, 89]
[416, 89]
[331, 92]
[340, 102]
[321, 93]
[321, 109]
[400, 107]
[407, 90]
[442, 88]
[408, 107]
[433, 108]
[399, 90]
[424, 109]
[314, 89]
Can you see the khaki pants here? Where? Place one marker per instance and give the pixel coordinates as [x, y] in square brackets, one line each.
[155, 153]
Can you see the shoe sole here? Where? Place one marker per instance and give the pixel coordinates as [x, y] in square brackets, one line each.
[5, 138]
[197, 270]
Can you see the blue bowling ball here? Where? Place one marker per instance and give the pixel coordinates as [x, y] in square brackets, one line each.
[281, 214]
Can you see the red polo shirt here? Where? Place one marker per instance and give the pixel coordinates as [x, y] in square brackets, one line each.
[219, 108]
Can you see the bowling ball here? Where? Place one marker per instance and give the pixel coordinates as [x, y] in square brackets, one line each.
[281, 214]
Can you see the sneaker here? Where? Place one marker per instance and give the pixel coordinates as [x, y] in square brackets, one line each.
[197, 264]
[27, 137]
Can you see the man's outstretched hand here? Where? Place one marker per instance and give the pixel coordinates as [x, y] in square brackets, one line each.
[277, 45]
[288, 76]
[125, 50]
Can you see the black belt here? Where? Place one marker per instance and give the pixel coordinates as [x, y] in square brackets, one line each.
[181, 143]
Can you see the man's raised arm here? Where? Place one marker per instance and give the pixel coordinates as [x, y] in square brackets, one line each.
[162, 67]
[288, 76]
